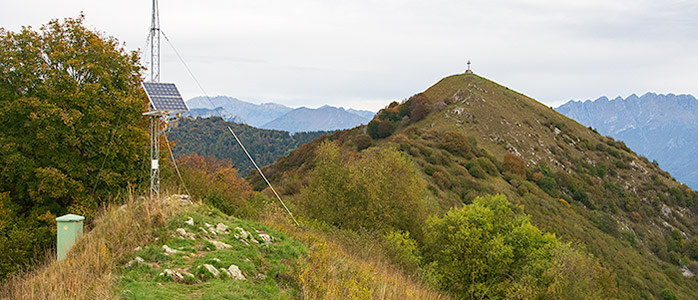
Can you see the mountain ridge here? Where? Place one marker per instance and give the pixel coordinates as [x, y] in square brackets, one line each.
[277, 116]
[659, 126]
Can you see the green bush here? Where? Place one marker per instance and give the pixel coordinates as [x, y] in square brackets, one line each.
[379, 190]
[489, 249]
[402, 250]
[455, 142]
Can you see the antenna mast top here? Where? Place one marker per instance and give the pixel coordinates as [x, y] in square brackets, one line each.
[155, 44]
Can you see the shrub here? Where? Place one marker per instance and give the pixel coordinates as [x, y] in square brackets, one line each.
[489, 249]
[402, 250]
[418, 107]
[515, 164]
[379, 128]
[668, 294]
[475, 170]
[455, 142]
[217, 182]
[379, 190]
[487, 165]
[362, 141]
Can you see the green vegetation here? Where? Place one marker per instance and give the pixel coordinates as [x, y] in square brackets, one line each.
[268, 269]
[380, 190]
[210, 137]
[480, 138]
[72, 132]
[489, 249]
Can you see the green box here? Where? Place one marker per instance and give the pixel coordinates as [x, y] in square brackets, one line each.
[69, 231]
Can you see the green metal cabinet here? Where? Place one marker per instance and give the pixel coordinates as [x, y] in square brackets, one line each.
[69, 231]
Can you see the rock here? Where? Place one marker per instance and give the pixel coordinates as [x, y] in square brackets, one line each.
[211, 269]
[184, 234]
[175, 275]
[136, 260]
[137, 249]
[244, 236]
[265, 238]
[241, 233]
[220, 245]
[204, 230]
[208, 225]
[686, 272]
[235, 273]
[190, 221]
[221, 228]
[168, 250]
[260, 276]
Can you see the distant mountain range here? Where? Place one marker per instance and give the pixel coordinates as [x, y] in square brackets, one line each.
[661, 127]
[277, 116]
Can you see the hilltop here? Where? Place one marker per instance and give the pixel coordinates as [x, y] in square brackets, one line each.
[468, 136]
[661, 127]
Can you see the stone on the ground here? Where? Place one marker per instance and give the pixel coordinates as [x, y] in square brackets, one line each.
[260, 276]
[221, 228]
[168, 250]
[211, 269]
[220, 245]
[190, 221]
[235, 272]
[175, 275]
[137, 260]
[265, 238]
[241, 233]
[184, 234]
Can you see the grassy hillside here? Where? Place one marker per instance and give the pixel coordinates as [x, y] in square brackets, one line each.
[123, 256]
[469, 136]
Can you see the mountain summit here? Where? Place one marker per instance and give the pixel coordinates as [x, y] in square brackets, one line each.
[468, 137]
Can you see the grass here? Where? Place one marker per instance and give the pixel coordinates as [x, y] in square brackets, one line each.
[89, 271]
[268, 269]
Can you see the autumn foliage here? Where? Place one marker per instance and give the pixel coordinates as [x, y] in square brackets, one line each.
[515, 164]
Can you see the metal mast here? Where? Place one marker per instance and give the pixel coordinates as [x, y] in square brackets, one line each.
[154, 118]
[155, 44]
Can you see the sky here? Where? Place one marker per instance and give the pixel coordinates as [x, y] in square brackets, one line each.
[364, 54]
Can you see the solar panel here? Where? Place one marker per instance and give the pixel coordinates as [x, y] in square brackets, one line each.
[164, 97]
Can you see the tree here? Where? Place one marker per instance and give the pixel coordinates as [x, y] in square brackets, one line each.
[64, 92]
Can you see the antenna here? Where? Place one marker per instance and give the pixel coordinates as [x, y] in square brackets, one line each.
[164, 99]
[155, 44]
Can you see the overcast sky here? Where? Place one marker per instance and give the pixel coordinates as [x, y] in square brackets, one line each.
[363, 54]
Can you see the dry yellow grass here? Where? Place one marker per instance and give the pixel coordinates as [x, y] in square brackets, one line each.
[342, 267]
[89, 270]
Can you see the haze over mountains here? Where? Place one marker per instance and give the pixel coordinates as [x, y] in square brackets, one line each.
[661, 127]
[277, 116]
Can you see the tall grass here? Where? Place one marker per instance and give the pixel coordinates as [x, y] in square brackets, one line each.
[89, 271]
[347, 265]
